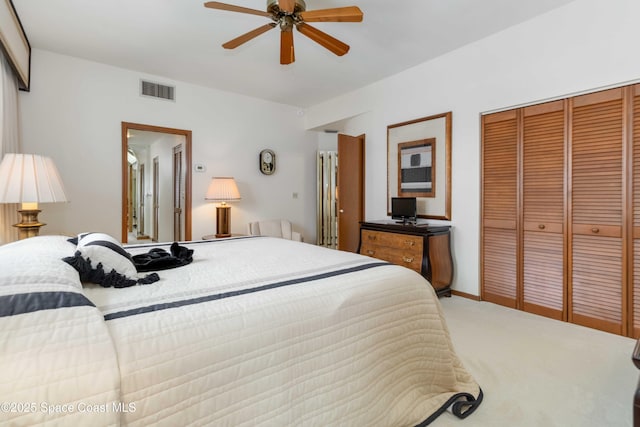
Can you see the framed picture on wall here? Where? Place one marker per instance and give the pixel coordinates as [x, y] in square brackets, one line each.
[416, 168]
[419, 164]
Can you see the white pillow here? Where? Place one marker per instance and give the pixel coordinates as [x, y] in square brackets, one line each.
[101, 259]
[103, 249]
[37, 260]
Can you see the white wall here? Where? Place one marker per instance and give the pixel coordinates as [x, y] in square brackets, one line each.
[73, 114]
[585, 45]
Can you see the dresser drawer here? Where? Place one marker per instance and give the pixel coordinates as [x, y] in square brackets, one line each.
[410, 258]
[399, 249]
[392, 240]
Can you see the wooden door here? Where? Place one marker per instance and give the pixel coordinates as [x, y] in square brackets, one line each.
[131, 199]
[156, 199]
[499, 273]
[350, 191]
[634, 273]
[543, 209]
[178, 193]
[142, 191]
[597, 278]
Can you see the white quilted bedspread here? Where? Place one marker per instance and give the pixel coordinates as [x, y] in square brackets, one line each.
[258, 331]
[57, 366]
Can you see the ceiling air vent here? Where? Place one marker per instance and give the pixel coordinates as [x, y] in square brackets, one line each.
[157, 90]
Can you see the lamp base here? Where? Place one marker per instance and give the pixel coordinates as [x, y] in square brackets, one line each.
[223, 221]
[29, 226]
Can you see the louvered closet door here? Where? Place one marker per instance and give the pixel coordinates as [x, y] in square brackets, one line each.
[635, 332]
[543, 199]
[596, 282]
[499, 208]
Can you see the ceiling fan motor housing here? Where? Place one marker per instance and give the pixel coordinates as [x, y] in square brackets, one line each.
[274, 7]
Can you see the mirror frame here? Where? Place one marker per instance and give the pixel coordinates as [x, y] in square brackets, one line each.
[436, 132]
[126, 126]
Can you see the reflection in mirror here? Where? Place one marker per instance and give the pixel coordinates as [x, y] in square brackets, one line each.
[156, 183]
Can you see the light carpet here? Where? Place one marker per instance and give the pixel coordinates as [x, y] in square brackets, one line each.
[536, 371]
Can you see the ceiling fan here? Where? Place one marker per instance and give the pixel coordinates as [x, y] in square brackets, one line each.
[288, 14]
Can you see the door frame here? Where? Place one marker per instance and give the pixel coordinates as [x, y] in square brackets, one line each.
[125, 127]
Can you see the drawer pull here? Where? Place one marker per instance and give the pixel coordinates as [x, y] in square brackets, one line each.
[407, 259]
[595, 229]
[370, 252]
[371, 237]
[541, 226]
[409, 242]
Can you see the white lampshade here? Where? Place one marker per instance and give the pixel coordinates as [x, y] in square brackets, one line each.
[29, 178]
[222, 189]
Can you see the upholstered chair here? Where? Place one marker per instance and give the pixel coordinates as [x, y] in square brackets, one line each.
[274, 228]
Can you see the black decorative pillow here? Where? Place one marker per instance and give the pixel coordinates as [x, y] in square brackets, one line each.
[100, 259]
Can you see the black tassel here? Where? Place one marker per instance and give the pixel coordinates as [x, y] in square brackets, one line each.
[148, 279]
[98, 276]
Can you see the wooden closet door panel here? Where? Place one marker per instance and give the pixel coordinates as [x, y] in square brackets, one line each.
[597, 283]
[635, 333]
[499, 208]
[635, 274]
[544, 274]
[499, 266]
[597, 197]
[544, 163]
[597, 144]
[543, 204]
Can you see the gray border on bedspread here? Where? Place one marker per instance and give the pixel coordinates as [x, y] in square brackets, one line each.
[12, 305]
[213, 297]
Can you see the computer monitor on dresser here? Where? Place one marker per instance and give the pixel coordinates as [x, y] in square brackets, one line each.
[403, 209]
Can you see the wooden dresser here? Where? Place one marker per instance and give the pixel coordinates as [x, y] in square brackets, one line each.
[423, 248]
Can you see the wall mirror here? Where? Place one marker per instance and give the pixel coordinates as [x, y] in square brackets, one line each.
[419, 164]
[156, 183]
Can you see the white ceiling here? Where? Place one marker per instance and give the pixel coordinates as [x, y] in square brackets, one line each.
[181, 40]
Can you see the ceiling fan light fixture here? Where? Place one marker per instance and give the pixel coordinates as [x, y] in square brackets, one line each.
[286, 23]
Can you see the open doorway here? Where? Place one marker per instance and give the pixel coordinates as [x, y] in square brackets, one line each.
[341, 192]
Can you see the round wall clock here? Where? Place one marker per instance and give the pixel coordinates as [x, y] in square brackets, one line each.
[267, 161]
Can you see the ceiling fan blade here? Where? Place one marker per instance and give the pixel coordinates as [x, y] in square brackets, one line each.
[287, 54]
[232, 8]
[232, 44]
[287, 5]
[339, 14]
[324, 39]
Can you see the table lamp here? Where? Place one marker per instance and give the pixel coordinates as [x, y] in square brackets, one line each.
[223, 189]
[29, 179]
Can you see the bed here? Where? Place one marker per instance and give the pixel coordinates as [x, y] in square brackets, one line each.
[253, 331]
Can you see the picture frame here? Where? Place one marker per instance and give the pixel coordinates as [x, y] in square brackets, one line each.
[419, 164]
[417, 168]
[14, 44]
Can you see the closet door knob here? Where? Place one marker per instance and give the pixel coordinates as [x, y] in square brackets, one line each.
[595, 229]
[541, 226]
